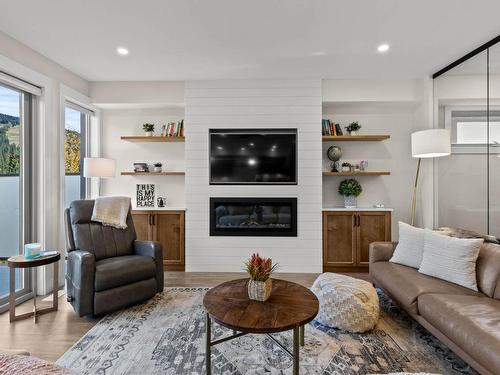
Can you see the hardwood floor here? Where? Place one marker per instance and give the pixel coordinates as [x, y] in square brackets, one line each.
[56, 332]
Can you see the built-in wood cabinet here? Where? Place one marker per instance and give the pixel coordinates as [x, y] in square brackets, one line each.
[347, 236]
[166, 227]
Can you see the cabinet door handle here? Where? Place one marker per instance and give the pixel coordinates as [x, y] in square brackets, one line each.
[359, 221]
[153, 216]
[150, 222]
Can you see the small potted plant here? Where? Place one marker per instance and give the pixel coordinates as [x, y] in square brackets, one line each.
[149, 129]
[346, 167]
[260, 270]
[157, 167]
[350, 189]
[353, 128]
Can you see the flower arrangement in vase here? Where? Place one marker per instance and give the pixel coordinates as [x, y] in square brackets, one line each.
[353, 128]
[350, 189]
[148, 129]
[260, 283]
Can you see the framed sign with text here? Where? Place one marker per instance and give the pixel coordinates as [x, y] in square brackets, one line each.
[145, 196]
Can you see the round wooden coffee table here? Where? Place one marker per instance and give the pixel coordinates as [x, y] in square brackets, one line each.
[290, 307]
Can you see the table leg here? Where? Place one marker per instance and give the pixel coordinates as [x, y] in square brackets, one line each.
[302, 328]
[296, 360]
[12, 294]
[55, 286]
[34, 284]
[208, 353]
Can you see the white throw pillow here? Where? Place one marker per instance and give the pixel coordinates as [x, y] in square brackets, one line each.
[451, 259]
[410, 247]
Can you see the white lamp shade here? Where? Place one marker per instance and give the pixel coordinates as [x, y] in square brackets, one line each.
[432, 143]
[99, 167]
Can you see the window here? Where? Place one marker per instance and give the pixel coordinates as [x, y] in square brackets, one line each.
[15, 186]
[75, 149]
[470, 132]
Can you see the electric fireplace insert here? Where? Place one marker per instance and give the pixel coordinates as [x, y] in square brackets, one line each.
[253, 217]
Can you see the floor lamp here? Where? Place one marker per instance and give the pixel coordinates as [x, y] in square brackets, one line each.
[432, 143]
[99, 167]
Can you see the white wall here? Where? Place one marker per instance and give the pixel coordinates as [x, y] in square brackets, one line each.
[119, 122]
[253, 104]
[137, 94]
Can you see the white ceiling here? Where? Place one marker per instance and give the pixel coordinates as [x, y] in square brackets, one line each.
[213, 39]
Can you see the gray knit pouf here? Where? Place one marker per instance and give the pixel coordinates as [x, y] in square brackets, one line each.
[346, 303]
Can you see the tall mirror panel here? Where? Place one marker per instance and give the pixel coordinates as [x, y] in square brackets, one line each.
[494, 140]
[461, 184]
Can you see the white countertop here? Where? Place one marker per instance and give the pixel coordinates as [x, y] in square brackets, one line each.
[158, 208]
[359, 208]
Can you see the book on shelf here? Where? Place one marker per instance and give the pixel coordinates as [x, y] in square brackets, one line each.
[338, 129]
[141, 168]
[174, 129]
[330, 128]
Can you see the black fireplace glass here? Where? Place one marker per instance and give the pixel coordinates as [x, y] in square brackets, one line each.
[253, 217]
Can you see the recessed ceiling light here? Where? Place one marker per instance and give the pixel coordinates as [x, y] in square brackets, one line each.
[122, 51]
[384, 47]
[318, 53]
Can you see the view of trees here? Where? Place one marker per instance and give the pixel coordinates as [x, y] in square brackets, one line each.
[72, 152]
[10, 151]
[10, 154]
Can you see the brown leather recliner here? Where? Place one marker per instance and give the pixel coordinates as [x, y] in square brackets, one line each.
[108, 268]
[468, 322]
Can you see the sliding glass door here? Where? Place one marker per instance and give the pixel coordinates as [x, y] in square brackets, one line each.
[467, 102]
[15, 185]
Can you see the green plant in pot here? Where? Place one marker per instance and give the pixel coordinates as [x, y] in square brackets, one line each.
[148, 129]
[346, 167]
[353, 128]
[350, 188]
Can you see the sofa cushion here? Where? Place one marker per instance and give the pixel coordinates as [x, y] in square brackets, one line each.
[451, 259]
[488, 270]
[118, 271]
[406, 284]
[410, 248]
[471, 322]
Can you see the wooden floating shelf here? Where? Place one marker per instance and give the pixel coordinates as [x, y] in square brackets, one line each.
[155, 138]
[365, 173]
[353, 138]
[153, 173]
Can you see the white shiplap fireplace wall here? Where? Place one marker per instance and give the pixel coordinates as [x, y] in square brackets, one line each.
[253, 104]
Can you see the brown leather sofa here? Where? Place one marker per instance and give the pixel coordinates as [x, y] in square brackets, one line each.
[468, 322]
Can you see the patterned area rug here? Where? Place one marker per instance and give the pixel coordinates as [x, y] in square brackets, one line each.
[165, 335]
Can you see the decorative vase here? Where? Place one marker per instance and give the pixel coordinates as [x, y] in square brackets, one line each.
[346, 169]
[149, 134]
[353, 132]
[349, 201]
[157, 169]
[259, 290]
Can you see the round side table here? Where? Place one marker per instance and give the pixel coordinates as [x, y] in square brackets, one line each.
[19, 261]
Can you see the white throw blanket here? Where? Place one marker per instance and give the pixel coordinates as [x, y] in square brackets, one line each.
[111, 211]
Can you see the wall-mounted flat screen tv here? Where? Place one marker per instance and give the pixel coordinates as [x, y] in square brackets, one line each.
[253, 156]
